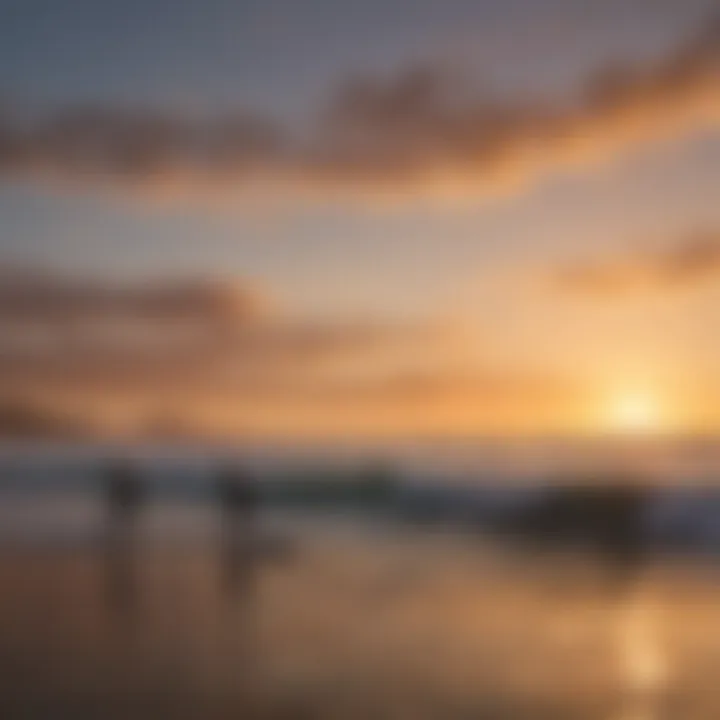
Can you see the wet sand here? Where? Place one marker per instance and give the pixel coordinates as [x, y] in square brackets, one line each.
[374, 624]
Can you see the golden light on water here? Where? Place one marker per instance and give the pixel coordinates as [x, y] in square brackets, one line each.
[642, 661]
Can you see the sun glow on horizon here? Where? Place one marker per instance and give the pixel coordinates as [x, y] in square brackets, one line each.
[634, 413]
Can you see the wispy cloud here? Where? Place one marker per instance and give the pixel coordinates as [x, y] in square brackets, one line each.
[692, 262]
[51, 299]
[213, 356]
[165, 332]
[421, 131]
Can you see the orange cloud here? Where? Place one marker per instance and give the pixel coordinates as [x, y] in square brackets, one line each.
[210, 359]
[419, 132]
[693, 262]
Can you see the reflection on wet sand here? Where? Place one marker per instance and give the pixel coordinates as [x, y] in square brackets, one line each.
[608, 518]
[360, 626]
[641, 657]
[370, 620]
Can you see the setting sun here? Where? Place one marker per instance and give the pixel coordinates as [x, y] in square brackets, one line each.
[634, 413]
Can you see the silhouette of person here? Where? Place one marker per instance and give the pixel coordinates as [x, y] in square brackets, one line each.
[124, 498]
[238, 498]
[239, 501]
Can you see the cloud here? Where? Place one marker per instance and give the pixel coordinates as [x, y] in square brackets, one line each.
[51, 299]
[210, 358]
[182, 337]
[164, 331]
[27, 420]
[421, 132]
[693, 262]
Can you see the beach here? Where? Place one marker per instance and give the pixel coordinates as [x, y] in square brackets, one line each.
[352, 620]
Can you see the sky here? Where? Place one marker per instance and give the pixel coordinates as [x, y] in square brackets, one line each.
[322, 218]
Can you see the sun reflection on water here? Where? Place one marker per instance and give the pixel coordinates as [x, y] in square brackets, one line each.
[643, 662]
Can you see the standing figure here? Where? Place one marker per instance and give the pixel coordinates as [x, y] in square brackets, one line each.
[239, 500]
[124, 498]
